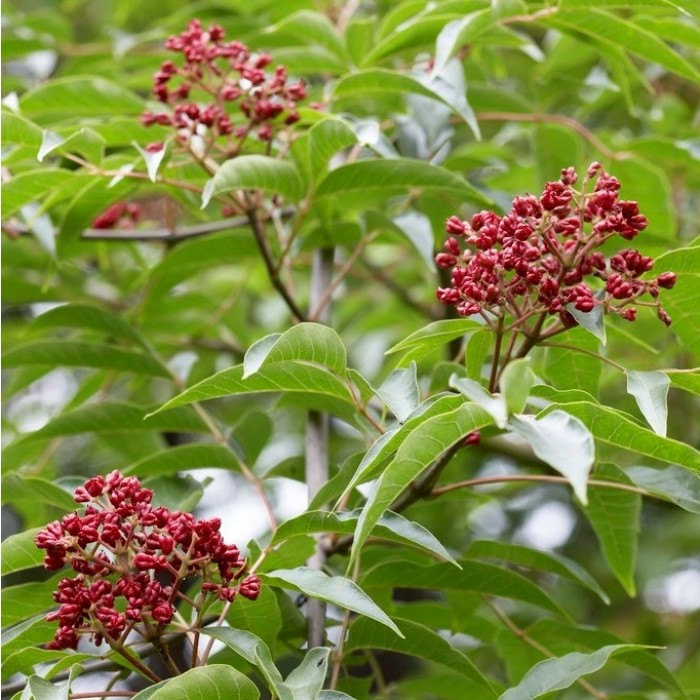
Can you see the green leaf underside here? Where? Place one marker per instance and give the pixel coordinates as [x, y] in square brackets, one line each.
[673, 483]
[612, 427]
[333, 589]
[559, 673]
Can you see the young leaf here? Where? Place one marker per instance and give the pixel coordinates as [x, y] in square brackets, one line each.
[559, 673]
[495, 405]
[516, 381]
[254, 172]
[420, 449]
[562, 441]
[650, 391]
[314, 343]
[436, 334]
[614, 516]
[333, 589]
[400, 392]
[306, 680]
[212, 682]
[421, 642]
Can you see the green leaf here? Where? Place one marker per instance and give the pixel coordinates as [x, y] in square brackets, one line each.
[78, 97]
[31, 186]
[18, 552]
[185, 457]
[460, 32]
[213, 682]
[337, 590]
[325, 139]
[475, 576]
[418, 451]
[68, 353]
[516, 381]
[41, 689]
[592, 321]
[306, 680]
[613, 427]
[547, 562]
[314, 343]
[320, 388]
[495, 405]
[358, 183]
[614, 516]
[18, 131]
[390, 441]
[689, 382]
[36, 490]
[254, 651]
[650, 391]
[25, 660]
[435, 335]
[559, 673]
[420, 641]
[673, 483]
[562, 441]
[85, 142]
[378, 81]
[565, 368]
[113, 418]
[400, 392]
[612, 29]
[84, 316]
[254, 172]
[311, 28]
[26, 600]
[391, 526]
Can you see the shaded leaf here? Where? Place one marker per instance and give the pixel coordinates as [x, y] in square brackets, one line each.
[672, 483]
[182, 458]
[420, 641]
[614, 516]
[34, 489]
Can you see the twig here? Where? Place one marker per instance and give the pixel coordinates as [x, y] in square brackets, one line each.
[554, 119]
[522, 634]
[544, 478]
[338, 653]
[271, 267]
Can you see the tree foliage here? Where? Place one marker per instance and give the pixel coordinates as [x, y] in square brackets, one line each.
[219, 268]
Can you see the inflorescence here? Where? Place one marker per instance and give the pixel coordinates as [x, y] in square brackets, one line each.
[541, 257]
[131, 559]
[223, 74]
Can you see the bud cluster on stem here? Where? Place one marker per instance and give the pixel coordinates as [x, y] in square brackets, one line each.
[222, 90]
[541, 259]
[131, 559]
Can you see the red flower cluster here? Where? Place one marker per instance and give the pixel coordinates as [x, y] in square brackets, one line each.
[225, 73]
[123, 547]
[120, 215]
[541, 256]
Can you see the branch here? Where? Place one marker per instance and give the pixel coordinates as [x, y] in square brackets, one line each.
[272, 271]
